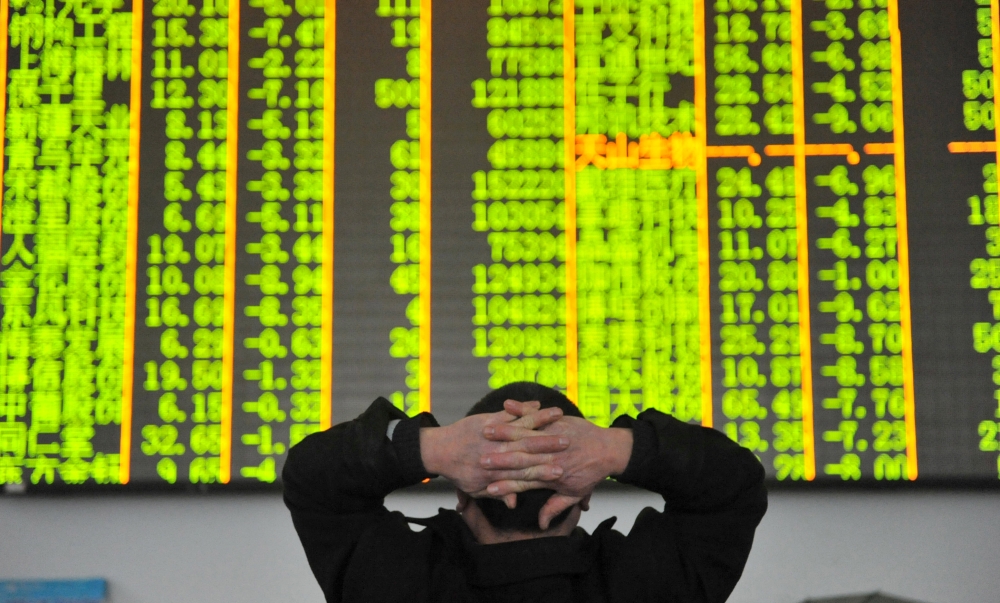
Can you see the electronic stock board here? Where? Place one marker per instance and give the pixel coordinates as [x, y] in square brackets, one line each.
[227, 224]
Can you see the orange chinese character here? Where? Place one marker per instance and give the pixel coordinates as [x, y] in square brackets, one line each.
[591, 149]
[653, 152]
[622, 153]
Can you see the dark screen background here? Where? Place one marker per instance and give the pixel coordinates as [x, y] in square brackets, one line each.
[954, 385]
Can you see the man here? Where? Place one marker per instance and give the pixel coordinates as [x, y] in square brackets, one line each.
[525, 443]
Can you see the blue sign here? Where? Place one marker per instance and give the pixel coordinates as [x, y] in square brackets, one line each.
[53, 591]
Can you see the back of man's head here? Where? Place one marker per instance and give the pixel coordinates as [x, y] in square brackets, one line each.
[523, 517]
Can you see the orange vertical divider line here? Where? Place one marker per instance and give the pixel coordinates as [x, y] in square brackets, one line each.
[903, 243]
[569, 144]
[229, 296]
[132, 241]
[995, 16]
[426, 34]
[802, 224]
[329, 164]
[4, 10]
[704, 266]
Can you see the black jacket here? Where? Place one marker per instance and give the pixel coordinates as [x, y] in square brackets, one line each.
[693, 551]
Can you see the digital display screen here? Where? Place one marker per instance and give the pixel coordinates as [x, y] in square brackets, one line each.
[228, 224]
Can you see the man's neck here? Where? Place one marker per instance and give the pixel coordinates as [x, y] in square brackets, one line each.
[485, 533]
[492, 536]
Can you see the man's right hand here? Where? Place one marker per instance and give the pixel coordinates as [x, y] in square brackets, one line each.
[454, 451]
[594, 453]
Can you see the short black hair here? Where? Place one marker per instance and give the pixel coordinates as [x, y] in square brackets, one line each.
[523, 517]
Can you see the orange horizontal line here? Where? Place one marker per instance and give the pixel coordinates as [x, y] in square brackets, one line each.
[788, 150]
[650, 152]
[880, 148]
[753, 157]
[972, 147]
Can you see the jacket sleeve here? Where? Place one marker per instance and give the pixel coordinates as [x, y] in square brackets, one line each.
[335, 483]
[714, 495]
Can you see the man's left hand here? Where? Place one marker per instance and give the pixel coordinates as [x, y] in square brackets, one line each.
[454, 451]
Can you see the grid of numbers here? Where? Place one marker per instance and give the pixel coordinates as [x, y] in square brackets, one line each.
[719, 209]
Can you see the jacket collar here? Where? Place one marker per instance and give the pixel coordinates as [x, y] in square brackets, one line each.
[510, 562]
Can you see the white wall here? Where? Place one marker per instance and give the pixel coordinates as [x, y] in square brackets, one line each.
[939, 547]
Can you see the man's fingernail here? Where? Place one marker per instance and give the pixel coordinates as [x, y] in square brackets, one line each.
[564, 441]
[489, 430]
[557, 471]
[487, 461]
[494, 489]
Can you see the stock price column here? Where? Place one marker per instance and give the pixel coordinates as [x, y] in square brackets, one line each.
[285, 226]
[813, 281]
[850, 86]
[67, 76]
[410, 192]
[754, 242]
[187, 176]
[979, 113]
[519, 304]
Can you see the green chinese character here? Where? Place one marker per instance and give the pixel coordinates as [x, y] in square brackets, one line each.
[44, 468]
[13, 439]
[74, 470]
[10, 470]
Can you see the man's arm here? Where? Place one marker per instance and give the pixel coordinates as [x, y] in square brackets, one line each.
[336, 481]
[696, 548]
[714, 497]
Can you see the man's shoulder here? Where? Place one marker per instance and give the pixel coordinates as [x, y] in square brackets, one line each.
[390, 551]
[413, 537]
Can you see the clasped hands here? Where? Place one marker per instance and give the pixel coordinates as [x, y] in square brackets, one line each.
[523, 448]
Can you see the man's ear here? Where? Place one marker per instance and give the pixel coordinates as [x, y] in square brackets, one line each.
[585, 503]
[463, 500]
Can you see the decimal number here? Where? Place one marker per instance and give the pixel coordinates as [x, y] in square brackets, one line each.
[161, 440]
[739, 276]
[731, 58]
[740, 6]
[734, 28]
[740, 340]
[172, 8]
[735, 90]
